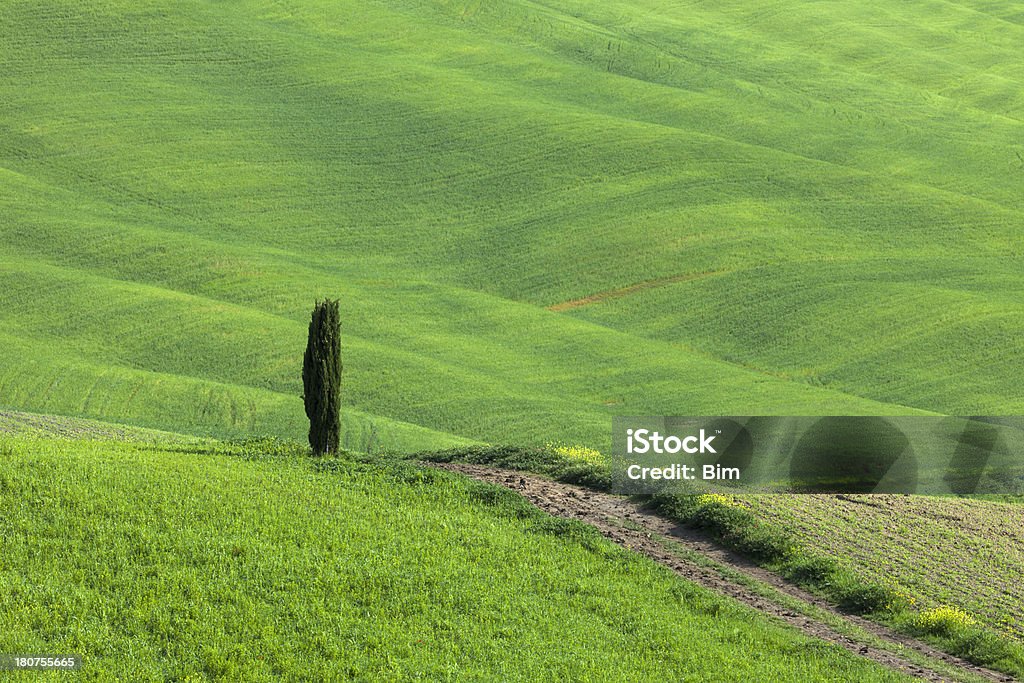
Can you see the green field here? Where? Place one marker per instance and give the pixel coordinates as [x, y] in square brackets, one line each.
[536, 216]
[938, 568]
[190, 563]
[821, 207]
[937, 552]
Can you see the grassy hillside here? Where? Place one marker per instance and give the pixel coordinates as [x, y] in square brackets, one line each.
[23, 425]
[937, 568]
[536, 215]
[225, 562]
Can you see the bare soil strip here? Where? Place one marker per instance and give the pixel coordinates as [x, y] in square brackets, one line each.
[628, 524]
[631, 289]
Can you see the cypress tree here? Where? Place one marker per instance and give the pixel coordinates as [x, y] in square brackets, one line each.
[321, 378]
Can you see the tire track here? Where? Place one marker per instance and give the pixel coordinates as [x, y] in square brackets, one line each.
[630, 525]
[630, 289]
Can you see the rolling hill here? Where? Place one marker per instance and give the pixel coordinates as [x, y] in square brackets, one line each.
[536, 215]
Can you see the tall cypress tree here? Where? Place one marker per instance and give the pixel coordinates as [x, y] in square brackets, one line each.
[321, 378]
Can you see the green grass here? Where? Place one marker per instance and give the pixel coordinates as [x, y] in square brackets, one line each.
[32, 425]
[935, 568]
[799, 209]
[252, 561]
[944, 552]
[823, 202]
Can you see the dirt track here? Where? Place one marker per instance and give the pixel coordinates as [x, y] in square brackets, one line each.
[633, 527]
[631, 289]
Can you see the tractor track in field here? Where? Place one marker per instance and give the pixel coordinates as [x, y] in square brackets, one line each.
[620, 292]
[630, 525]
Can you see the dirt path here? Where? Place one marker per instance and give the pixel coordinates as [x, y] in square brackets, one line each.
[633, 527]
[631, 289]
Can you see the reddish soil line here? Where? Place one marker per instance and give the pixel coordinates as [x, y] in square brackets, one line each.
[626, 291]
[646, 532]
